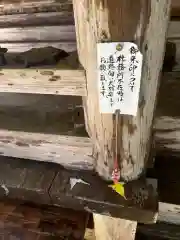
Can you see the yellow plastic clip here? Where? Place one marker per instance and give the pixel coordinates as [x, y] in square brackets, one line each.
[119, 188]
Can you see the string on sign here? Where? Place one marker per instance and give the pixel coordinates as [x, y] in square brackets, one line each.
[116, 170]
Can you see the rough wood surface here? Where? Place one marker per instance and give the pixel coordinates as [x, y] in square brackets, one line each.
[50, 183]
[38, 33]
[166, 171]
[16, 7]
[167, 122]
[37, 19]
[79, 191]
[94, 20]
[43, 81]
[116, 229]
[32, 127]
[71, 152]
[50, 114]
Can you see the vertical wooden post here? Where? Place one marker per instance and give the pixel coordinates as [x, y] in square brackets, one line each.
[145, 23]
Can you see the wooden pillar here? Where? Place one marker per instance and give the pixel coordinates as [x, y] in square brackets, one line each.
[145, 23]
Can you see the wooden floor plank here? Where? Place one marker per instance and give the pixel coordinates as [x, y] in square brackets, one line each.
[16, 7]
[44, 81]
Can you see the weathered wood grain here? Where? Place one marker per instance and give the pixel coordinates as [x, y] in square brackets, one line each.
[37, 19]
[175, 8]
[49, 114]
[13, 7]
[166, 171]
[38, 33]
[71, 152]
[43, 81]
[98, 21]
[120, 229]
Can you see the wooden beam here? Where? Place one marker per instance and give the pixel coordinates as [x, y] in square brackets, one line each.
[15, 7]
[43, 81]
[173, 30]
[79, 191]
[37, 19]
[49, 183]
[37, 33]
[70, 152]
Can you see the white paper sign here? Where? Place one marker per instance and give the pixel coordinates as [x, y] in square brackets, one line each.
[119, 77]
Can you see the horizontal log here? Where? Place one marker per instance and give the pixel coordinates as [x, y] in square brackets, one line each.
[43, 81]
[70, 152]
[36, 19]
[16, 7]
[49, 114]
[38, 33]
[50, 183]
[25, 46]
[31, 127]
